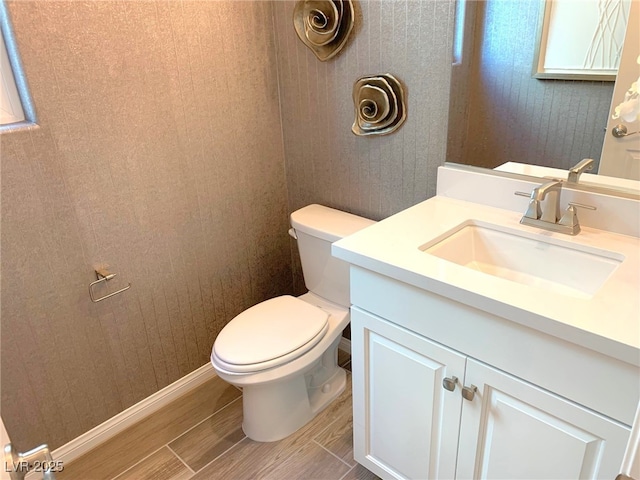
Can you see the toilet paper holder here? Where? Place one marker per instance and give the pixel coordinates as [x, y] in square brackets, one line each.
[104, 275]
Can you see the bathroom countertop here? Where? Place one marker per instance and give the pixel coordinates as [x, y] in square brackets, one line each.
[608, 322]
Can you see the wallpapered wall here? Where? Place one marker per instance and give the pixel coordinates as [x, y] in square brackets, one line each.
[511, 116]
[160, 153]
[326, 163]
[373, 176]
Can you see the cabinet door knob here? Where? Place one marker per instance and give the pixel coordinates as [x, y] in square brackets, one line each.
[449, 383]
[469, 392]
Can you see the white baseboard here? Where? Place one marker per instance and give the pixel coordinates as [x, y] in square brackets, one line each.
[116, 424]
[345, 345]
[103, 432]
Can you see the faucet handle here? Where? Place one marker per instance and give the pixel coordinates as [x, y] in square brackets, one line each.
[581, 205]
[570, 219]
[533, 210]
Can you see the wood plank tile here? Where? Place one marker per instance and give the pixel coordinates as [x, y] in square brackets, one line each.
[128, 447]
[243, 461]
[250, 460]
[338, 437]
[360, 473]
[212, 437]
[162, 465]
[309, 462]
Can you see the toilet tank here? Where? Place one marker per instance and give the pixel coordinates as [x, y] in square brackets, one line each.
[316, 228]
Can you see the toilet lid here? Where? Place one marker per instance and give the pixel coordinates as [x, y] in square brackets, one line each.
[270, 330]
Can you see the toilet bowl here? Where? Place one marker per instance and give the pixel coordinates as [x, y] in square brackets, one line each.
[283, 352]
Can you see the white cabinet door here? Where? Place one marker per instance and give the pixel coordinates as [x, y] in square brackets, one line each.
[405, 423]
[515, 430]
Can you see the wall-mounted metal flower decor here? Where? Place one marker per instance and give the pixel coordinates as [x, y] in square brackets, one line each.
[380, 105]
[323, 25]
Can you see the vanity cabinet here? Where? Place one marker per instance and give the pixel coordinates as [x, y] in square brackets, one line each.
[407, 427]
[528, 416]
[513, 429]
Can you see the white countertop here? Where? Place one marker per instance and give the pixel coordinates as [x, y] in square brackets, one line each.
[608, 322]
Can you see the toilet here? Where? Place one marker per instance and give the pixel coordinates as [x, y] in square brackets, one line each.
[283, 352]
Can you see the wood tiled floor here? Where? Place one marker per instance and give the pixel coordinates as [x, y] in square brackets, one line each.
[199, 436]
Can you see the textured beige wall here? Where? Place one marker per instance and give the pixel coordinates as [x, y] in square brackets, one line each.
[373, 176]
[159, 152]
[378, 175]
[512, 116]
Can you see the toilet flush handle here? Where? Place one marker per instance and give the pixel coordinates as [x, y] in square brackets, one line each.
[292, 232]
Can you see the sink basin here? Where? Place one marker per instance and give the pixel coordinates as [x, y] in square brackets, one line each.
[561, 267]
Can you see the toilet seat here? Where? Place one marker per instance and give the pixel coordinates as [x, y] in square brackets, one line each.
[269, 334]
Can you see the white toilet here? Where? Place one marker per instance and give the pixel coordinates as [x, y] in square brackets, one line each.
[283, 352]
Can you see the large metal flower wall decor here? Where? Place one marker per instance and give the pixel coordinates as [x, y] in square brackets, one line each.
[323, 25]
[380, 105]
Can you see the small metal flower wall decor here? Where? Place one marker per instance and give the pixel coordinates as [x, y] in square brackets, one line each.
[323, 25]
[380, 105]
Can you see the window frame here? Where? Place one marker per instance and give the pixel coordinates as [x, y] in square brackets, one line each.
[12, 80]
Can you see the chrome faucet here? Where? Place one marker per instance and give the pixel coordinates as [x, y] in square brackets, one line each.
[585, 165]
[547, 215]
[551, 211]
